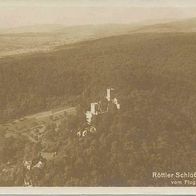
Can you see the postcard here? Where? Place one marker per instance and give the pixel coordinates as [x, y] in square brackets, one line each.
[98, 95]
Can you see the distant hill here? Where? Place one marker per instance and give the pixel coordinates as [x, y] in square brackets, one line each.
[184, 25]
[188, 25]
[55, 28]
[47, 37]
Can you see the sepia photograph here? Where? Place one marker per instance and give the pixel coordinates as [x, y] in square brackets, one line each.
[97, 93]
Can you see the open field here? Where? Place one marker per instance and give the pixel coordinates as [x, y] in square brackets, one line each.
[31, 126]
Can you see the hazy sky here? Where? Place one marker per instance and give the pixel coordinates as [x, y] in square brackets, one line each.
[14, 13]
[69, 3]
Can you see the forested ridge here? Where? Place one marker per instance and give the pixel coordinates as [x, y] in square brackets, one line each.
[155, 130]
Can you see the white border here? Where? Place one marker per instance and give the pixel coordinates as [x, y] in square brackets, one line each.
[98, 190]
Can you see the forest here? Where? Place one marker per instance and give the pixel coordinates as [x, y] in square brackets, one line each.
[155, 130]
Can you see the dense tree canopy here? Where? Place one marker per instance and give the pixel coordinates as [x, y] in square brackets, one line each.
[155, 130]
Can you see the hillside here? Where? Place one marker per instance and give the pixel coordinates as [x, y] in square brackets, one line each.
[104, 61]
[154, 76]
